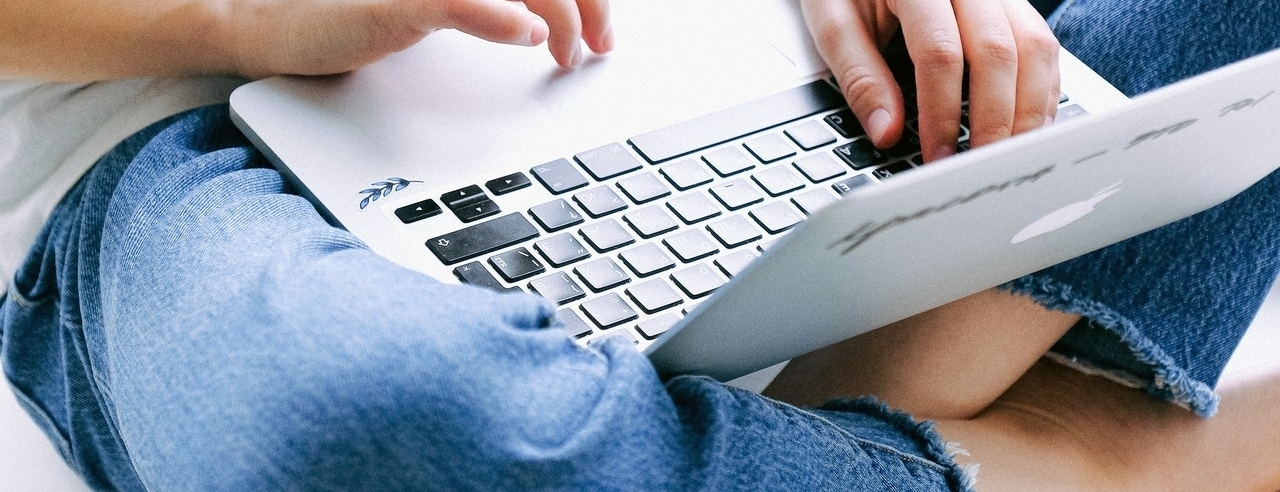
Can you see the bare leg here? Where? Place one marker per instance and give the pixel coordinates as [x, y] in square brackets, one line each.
[1058, 429]
[950, 362]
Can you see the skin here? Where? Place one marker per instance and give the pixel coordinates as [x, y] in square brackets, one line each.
[973, 365]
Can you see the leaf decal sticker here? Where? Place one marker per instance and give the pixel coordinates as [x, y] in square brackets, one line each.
[383, 188]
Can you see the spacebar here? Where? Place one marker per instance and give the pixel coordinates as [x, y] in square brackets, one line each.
[705, 131]
[481, 238]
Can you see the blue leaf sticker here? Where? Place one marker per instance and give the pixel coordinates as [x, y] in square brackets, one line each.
[364, 203]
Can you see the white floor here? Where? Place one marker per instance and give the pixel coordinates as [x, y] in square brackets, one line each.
[29, 463]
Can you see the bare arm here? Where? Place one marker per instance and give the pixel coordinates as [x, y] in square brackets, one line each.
[104, 39]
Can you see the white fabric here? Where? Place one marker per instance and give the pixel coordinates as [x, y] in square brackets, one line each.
[50, 134]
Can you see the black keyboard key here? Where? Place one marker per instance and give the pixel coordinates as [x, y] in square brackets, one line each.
[476, 274]
[892, 170]
[680, 139]
[481, 238]
[508, 183]
[847, 185]
[558, 288]
[845, 123]
[460, 198]
[559, 176]
[608, 161]
[417, 211]
[516, 264]
[861, 154]
[556, 215]
[477, 210]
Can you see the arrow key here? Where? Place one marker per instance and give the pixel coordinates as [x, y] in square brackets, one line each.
[508, 183]
[417, 211]
[477, 210]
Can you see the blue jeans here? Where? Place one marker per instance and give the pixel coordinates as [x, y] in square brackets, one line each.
[184, 322]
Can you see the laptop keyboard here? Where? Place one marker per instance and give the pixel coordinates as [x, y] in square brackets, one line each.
[629, 237]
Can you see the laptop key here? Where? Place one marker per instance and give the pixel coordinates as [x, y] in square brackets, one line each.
[687, 173]
[646, 259]
[608, 161]
[602, 274]
[734, 263]
[819, 167]
[771, 147]
[417, 211]
[892, 170]
[777, 217]
[693, 208]
[609, 310]
[556, 215]
[778, 181]
[481, 238]
[558, 288]
[599, 201]
[516, 264]
[655, 327]
[606, 235]
[810, 135]
[650, 221]
[861, 154]
[698, 280]
[845, 123]
[643, 187]
[736, 194]
[847, 185]
[813, 200]
[727, 161]
[477, 210]
[697, 134]
[691, 245]
[561, 249]
[573, 324]
[654, 295]
[734, 230]
[476, 274]
[508, 183]
[559, 176]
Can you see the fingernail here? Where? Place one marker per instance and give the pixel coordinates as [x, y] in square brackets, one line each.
[1048, 120]
[539, 33]
[576, 56]
[877, 124]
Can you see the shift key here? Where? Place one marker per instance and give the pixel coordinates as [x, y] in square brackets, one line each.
[481, 238]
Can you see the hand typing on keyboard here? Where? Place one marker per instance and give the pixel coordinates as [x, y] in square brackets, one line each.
[1010, 54]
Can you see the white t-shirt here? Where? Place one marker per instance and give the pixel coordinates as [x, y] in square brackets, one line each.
[50, 134]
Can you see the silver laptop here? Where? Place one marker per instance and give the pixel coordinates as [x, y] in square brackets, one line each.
[703, 191]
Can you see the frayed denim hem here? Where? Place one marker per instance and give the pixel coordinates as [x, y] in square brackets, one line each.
[1124, 354]
[935, 448]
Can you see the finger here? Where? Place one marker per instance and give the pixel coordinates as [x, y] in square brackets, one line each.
[992, 55]
[846, 41]
[565, 22]
[597, 31]
[1039, 82]
[933, 40]
[499, 21]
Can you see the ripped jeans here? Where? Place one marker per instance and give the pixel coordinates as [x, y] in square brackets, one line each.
[184, 322]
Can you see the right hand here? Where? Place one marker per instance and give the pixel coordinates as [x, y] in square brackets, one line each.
[1011, 54]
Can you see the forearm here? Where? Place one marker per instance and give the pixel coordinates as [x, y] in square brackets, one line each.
[102, 39]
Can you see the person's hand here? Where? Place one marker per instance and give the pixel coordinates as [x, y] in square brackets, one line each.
[313, 37]
[1011, 54]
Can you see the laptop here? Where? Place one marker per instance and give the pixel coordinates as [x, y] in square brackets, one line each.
[703, 191]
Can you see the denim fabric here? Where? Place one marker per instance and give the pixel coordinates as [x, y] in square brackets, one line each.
[185, 323]
[1166, 309]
